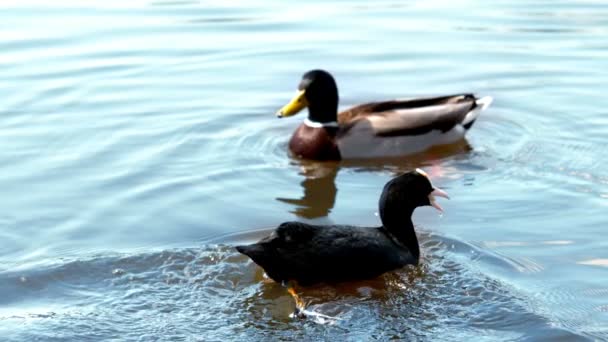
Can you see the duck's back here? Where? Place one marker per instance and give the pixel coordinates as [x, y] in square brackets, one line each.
[311, 253]
[401, 127]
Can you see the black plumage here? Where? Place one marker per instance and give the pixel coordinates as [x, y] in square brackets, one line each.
[311, 254]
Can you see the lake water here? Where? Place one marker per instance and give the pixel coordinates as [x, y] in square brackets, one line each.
[139, 144]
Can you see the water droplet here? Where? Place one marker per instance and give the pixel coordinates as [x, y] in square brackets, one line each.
[118, 271]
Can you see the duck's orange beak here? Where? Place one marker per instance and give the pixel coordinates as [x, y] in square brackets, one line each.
[294, 106]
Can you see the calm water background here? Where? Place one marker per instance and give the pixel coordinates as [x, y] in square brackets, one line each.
[139, 143]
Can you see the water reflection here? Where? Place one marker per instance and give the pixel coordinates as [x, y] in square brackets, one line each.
[319, 186]
[319, 189]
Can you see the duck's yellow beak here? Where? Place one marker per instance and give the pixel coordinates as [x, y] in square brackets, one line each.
[296, 104]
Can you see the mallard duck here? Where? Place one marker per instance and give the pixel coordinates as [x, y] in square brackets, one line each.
[378, 129]
[310, 254]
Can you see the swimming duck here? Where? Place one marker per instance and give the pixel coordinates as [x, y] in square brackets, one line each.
[310, 254]
[378, 129]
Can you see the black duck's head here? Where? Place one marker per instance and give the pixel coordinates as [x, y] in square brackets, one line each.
[318, 92]
[404, 193]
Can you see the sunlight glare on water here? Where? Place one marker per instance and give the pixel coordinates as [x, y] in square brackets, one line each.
[139, 144]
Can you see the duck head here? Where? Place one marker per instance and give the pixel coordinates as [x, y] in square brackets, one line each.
[406, 192]
[318, 92]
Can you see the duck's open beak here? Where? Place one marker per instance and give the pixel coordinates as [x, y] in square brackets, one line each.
[440, 193]
[294, 106]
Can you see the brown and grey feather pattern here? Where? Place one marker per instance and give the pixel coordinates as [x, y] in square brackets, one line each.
[378, 129]
[410, 117]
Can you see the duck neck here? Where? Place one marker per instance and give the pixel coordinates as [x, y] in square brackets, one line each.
[314, 124]
[325, 112]
[399, 224]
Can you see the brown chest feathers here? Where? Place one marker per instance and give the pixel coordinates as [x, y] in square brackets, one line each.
[315, 143]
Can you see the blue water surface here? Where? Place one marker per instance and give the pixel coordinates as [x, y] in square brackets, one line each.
[139, 143]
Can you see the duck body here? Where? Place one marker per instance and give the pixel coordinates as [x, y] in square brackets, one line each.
[318, 143]
[378, 129]
[311, 254]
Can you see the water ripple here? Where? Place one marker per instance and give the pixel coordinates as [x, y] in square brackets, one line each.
[133, 131]
[227, 295]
